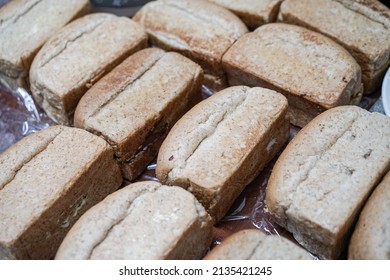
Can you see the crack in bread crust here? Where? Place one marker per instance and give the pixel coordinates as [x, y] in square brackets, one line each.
[208, 134]
[318, 159]
[121, 218]
[14, 18]
[20, 167]
[71, 41]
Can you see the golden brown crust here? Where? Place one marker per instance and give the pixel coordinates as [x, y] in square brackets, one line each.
[336, 160]
[77, 56]
[142, 221]
[201, 31]
[157, 88]
[55, 177]
[367, 39]
[312, 71]
[25, 26]
[219, 146]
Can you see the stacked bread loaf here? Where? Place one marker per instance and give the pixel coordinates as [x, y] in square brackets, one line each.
[132, 89]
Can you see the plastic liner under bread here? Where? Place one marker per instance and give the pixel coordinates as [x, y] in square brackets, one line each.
[19, 117]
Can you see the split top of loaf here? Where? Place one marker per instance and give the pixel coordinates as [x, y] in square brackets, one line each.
[199, 29]
[26, 25]
[223, 143]
[47, 180]
[77, 56]
[313, 71]
[135, 105]
[144, 220]
[252, 12]
[363, 28]
[252, 244]
[323, 177]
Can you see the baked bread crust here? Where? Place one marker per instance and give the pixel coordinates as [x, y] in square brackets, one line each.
[322, 179]
[144, 220]
[47, 181]
[222, 144]
[252, 244]
[252, 12]
[361, 27]
[198, 29]
[312, 71]
[371, 237]
[79, 55]
[136, 104]
[25, 25]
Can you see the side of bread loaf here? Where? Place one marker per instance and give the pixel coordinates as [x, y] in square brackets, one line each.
[200, 30]
[326, 173]
[144, 220]
[136, 104]
[48, 180]
[311, 70]
[252, 244]
[252, 12]
[77, 56]
[363, 29]
[223, 143]
[25, 26]
[371, 237]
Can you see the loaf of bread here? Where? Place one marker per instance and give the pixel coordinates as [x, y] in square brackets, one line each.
[25, 25]
[326, 173]
[198, 29]
[311, 70]
[362, 27]
[77, 56]
[371, 237]
[252, 12]
[144, 220]
[47, 181]
[136, 104]
[223, 143]
[252, 244]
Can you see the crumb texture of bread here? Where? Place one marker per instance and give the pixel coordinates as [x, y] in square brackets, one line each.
[371, 237]
[136, 104]
[48, 180]
[312, 71]
[200, 30]
[252, 12]
[222, 144]
[79, 55]
[324, 176]
[362, 27]
[252, 244]
[25, 26]
[142, 221]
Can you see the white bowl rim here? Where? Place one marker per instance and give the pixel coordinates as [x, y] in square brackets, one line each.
[386, 93]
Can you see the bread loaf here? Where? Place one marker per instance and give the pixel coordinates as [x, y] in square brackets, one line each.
[199, 30]
[143, 220]
[326, 173]
[77, 56]
[252, 12]
[25, 25]
[47, 181]
[313, 72]
[134, 106]
[222, 144]
[371, 236]
[362, 27]
[252, 244]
